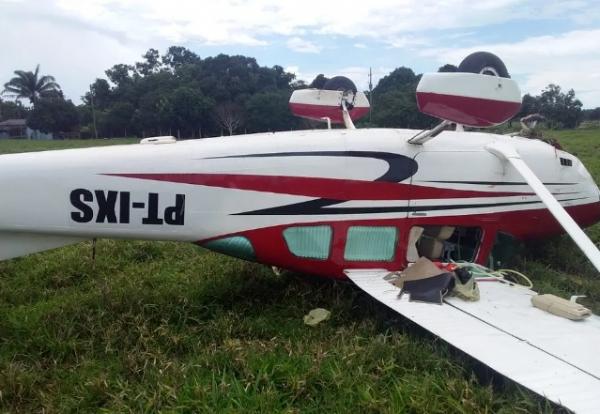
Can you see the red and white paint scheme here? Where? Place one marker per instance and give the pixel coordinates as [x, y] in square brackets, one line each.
[469, 98]
[256, 186]
[347, 203]
[317, 104]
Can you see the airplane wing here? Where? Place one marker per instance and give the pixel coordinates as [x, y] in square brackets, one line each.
[552, 356]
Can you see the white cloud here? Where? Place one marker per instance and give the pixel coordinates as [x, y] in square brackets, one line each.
[301, 74]
[298, 44]
[360, 45]
[76, 40]
[571, 60]
[248, 22]
[401, 42]
[293, 69]
[75, 56]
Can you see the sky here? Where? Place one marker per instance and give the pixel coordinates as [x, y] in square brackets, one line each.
[540, 41]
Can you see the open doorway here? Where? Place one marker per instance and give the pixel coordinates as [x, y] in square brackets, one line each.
[444, 243]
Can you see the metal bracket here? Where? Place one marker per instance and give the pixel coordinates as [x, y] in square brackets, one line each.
[428, 134]
[328, 120]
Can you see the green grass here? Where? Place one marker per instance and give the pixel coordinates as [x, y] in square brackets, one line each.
[11, 146]
[169, 327]
[585, 144]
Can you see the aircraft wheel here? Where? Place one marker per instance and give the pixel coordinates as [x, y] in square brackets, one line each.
[485, 63]
[340, 83]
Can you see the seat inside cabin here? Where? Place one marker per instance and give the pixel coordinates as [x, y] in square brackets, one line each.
[443, 243]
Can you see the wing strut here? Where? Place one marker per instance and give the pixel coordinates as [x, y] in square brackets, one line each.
[509, 153]
[346, 115]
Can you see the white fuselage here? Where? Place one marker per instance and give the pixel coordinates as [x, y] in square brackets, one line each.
[202, 189]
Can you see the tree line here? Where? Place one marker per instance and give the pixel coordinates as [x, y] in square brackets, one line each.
[178, 93]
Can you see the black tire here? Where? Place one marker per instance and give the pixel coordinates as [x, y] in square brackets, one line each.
[340, 83]
[485, 63]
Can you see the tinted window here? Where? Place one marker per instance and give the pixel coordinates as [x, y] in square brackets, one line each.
[311, 242]
[370, 243]
[236, 246]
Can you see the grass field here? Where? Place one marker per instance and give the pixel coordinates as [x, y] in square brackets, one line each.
[170, 327]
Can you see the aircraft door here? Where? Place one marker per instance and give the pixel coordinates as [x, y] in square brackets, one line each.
[450, 196]
[450, 183]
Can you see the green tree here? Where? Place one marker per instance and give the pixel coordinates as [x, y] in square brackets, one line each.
[448, 68]
[12, 110]
[55, 115]
[282, 78]
[151, 63]
[101, 92]
[319, 81]
[591, 114]
[299, 84]
[395, 101]
[116, 121]
[120, 74]
[29, 85]
[179, 93]
[178, 56]
[191, 110]
[562, 110]
[401, 78]
[529, 105]
[398, 109]
[268, 111]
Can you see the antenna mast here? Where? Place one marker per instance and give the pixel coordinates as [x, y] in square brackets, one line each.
[93, 112]
[370, 93]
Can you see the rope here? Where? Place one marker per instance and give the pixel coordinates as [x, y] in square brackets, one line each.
[478, 270]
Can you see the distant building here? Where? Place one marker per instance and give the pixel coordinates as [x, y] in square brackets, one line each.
[17, 128]
[13, 128]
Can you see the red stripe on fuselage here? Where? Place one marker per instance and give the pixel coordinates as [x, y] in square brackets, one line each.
[331, 188]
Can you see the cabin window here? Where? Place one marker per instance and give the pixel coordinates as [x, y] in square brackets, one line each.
[370, 243]
[309, 242]
[236, 246]
[445, 243]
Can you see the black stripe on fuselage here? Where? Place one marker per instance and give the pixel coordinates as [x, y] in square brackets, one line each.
[489, 182]
[321, 206]
[400, 168]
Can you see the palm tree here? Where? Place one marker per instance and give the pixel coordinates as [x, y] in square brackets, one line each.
[28, 85]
